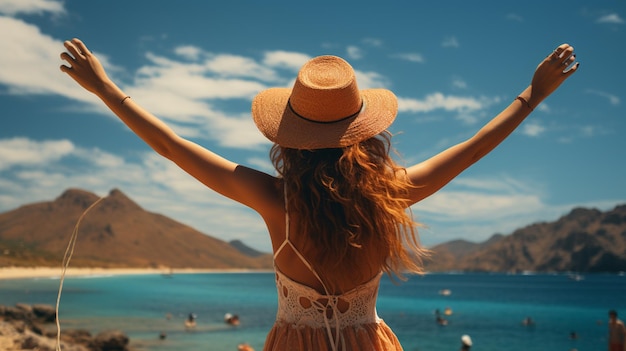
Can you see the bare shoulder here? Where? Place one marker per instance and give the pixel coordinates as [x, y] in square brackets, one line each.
[264, 192]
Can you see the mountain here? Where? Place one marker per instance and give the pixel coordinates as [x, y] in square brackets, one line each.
[585, 240]
[244, 249]
[116, 232]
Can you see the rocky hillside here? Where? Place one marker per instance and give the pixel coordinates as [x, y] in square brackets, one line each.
[585, 240]
[119, 233]
[115, 233]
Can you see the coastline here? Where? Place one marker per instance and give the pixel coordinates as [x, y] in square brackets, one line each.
[56, 272]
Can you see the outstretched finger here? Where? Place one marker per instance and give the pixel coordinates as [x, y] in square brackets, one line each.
[66, 57]
[561, 49]
[81, 46]
[65, 68]
[71, 48]
[571, 69]
[562, 52]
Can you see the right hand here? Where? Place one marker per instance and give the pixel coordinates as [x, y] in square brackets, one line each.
[83, 66]
[552, 71]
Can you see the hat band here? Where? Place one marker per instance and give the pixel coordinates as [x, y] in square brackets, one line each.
[325, 122]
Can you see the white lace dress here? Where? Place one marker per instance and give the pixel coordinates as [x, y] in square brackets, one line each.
[307, 320]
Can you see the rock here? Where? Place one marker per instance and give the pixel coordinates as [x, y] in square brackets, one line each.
[31, 341]
[23, 328]
[44, 313]
[113, 340]
[20, 312]
[77, 336]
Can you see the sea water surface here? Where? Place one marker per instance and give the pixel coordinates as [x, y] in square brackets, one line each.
[488, 307]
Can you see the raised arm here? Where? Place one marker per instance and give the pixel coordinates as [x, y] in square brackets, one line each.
[431, 175]
[250, 187]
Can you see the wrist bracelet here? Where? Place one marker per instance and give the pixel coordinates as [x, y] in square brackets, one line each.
[124, 99]
[525, 102]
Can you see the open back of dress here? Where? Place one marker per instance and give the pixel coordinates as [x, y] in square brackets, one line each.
[309, 320]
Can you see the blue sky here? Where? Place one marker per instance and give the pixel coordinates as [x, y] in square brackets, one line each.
[197, 65]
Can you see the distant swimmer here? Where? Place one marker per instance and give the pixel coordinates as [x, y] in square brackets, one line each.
[466, 343]
[617, 332]
[244, 347]
[445, 292]
[190, 322]
[528, 322]
[440, 320]
[231, 319]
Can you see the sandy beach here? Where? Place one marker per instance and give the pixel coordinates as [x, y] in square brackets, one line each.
[54, 272]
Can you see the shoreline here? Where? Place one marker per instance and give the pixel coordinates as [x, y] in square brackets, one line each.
[7, 273]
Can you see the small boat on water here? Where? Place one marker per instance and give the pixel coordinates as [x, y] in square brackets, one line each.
[576, 277]
[168, 274]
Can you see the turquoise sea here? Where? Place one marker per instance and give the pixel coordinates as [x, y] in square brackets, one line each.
[488, 307]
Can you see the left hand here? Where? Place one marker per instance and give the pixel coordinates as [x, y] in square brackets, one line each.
[552, 71]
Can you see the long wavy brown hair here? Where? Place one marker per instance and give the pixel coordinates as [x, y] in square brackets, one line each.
[348, 199]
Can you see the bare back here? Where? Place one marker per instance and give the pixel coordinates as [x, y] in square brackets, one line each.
[291, 264]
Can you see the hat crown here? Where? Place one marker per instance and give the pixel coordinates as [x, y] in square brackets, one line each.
[324, 109]
[326, 90]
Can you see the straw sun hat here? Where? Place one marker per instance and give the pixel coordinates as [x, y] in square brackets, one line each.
[325, 108]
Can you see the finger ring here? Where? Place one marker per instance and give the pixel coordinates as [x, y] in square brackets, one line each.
[553, 58]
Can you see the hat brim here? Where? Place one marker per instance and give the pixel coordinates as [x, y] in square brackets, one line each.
[281, 125]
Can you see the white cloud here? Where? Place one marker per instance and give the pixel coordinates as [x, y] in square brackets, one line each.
[469, 110]
[501, 184]
[450, 42]
[543, 107]
[24, 152]
[371, 80]
[373, 42]
[99, 158]
[459, 83]
[411, 57]
[33, 65]
[613, 100]
[194, 82]
[440, 101]
[189, 52]
[34, 171]
[612, 18]
[477, 206]
[236, 132]
[501, 214]
[285, 59]
[185, 94]
[354, 52]
[533, 129]
[14, 7]
[514, 17]
[263, 164]
[238, 66]
[475, 209]
[588, 131]
[182, 93]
